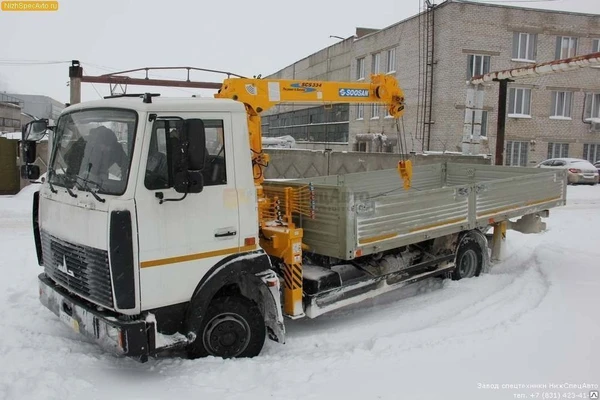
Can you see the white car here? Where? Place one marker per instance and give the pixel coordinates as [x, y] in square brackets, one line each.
[579, 171]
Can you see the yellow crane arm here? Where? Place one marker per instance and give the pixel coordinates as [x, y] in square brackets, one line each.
[259, 95]
[262, 94]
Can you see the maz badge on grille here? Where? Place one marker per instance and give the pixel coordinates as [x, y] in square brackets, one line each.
[63, 268]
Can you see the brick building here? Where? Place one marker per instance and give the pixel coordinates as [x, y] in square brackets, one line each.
[432, 55]
[10, 113]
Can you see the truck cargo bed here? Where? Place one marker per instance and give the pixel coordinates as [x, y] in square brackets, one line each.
[369, 212]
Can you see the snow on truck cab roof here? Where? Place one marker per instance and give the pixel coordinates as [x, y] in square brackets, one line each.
[163, 104]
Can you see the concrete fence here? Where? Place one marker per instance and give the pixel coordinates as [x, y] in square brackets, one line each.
[300, 163]
[9, 170]
[10, 161]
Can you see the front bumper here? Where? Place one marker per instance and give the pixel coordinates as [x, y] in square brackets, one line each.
[125, 338]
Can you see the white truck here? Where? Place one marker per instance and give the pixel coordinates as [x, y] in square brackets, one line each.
[156, 229]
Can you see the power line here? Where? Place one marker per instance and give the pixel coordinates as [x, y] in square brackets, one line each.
[29, 62]
[94, 86]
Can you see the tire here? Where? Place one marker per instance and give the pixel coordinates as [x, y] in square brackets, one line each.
[233, 327]
[469, 260]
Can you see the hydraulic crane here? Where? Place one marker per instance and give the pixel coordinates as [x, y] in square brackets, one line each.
[279, 236]
[139, 276]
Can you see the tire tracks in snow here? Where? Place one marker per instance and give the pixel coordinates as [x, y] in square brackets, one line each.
[521, 294]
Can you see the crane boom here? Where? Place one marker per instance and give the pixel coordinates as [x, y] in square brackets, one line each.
[259, 95]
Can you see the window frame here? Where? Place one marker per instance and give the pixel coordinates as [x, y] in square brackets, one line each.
[134, 136]
[391, 61]
[170, 168]
[530, 47]
[595, 49]
[153, 132]
[558, 51]
[376, 63]
[558, 150]
[471, 64]
[360, 112]
[555, 94]
[360, 68]
[508, 158]
[593, 104]
[513, 102]
[375, 111]
[587, 153]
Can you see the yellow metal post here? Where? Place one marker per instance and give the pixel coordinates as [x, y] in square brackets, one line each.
[498, 240]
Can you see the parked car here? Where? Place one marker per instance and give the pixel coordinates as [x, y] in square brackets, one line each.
[597, 165]
[579, 171]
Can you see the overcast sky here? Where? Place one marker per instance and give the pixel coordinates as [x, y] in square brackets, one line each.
[245, 37]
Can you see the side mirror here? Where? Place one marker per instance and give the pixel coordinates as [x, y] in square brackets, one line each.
[30, 172]
[188, 182]
[35, 130]
[28, 151]
[192, 147]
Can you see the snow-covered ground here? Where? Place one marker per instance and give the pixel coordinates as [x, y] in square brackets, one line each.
[534, 320]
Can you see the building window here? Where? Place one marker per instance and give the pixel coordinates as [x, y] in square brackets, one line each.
[376, 63]
[558, 150]
[519, 102]
[361, 146]
[477, 65]
[592, 106]
[561, 104]
[374, 111]
[524, 46]
[484, 122]
[391, 61]
[591, 152]
[360, 68]
[315, 124]
[566, 47]
[595, 49]
[360, 111]
[516, 154]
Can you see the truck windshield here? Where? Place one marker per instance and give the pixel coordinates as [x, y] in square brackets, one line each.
[92, 150]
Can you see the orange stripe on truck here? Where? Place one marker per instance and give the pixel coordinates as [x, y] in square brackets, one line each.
[196, 256]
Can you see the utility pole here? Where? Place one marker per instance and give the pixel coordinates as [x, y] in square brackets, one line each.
[501, 123]
[75, 75]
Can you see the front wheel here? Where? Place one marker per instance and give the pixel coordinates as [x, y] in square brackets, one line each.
[469, 260]
[233, 327]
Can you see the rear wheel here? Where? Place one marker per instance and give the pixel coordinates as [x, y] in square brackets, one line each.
[469, 260]
[233, 327]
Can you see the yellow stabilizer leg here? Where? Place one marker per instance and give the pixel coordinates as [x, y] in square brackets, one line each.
[292, 292]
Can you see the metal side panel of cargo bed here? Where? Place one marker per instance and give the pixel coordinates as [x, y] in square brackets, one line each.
[368, 212]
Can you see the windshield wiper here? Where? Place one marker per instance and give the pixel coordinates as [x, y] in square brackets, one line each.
[89, 189]
[50, 173]
[70, 192]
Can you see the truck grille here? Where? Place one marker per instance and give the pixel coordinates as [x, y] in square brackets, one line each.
[81, 269]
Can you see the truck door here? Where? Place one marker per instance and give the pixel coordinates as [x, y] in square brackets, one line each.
[181, 239]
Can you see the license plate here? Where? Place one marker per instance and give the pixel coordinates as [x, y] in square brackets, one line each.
[67, 319]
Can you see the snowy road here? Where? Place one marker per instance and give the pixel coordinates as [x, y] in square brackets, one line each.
[534, 319]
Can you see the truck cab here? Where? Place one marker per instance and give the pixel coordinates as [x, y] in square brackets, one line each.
[148, 213]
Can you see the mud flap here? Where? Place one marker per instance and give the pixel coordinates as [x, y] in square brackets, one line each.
[272, 309]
